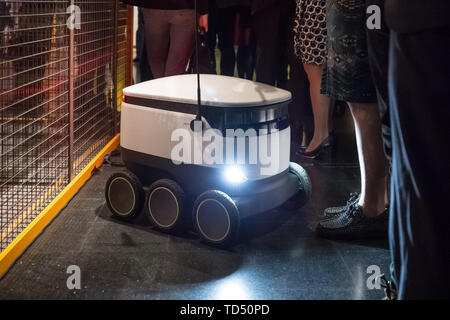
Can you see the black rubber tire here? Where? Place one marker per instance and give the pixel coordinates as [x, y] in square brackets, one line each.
[115, 199]
[304, 188]
[220, 200]
[173, 191]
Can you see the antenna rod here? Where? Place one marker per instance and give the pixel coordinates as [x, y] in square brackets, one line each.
[199, 113]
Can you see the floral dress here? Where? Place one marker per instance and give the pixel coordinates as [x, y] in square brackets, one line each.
[310, 40]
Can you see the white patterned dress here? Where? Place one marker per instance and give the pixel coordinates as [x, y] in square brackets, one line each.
[310, 40]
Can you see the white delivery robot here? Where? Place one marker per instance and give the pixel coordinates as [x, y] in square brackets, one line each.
[212, 173]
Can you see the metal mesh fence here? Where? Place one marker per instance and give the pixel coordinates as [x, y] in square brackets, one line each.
[93, 81]
[51, 124]
[123, 72]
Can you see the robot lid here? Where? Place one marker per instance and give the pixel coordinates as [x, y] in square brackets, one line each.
[218, 91]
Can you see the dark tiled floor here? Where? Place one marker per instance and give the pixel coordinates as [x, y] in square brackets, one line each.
[280, 257]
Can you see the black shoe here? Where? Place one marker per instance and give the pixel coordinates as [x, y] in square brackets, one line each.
[390, 290]
[327, 143]
[352, 224]
[333, 211]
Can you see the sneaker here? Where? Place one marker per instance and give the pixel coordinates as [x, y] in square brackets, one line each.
[352, 224]
[332, 211]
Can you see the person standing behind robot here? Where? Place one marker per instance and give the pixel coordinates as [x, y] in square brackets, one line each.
[170, 33]
[268, 17]
[347, 77]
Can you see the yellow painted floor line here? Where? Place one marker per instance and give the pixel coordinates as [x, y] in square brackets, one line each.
[26, 237]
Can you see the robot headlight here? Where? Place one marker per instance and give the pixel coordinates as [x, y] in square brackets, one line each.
[235, 175]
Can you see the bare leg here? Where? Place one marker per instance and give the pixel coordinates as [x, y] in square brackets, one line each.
[320, 106]
[372, 161]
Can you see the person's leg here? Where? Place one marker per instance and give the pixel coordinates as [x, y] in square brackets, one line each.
[419, 74]
[297, 82]
[252, 56]
[243, 61]
[182, 41]
[320, 106]
[282, 47]
[144, 67]
[365, 216]
[348, 78]
[140, 36]
[245, 53]
[378, 49]
[265, 24]
[372, 161]
[211, 36]
[225, 35]
[156, 40]
[213, 25]
[330, 116]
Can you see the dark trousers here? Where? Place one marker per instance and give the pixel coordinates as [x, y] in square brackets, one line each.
[378, 48]
[141, 52]
[419, 80]
[225, 26]
[245, 59]
[225, 33]
[297, 80]
[170, 40]
[273, 27]
[271, 54]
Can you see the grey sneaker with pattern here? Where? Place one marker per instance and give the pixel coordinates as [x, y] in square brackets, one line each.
[352, 224]
[332, 211]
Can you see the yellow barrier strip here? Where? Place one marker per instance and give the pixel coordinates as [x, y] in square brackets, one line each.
[26, 237]
[19, 219]
[81, 158]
